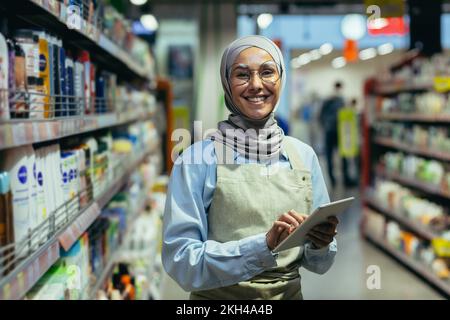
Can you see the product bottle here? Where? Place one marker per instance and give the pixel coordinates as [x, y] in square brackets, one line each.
[86, 60]
[4, 77]
[62, 82]
[15, 163]
[44, 70]
[41, 185]
[6, 218]
[70, 85]
[21, 108]
[56, 76]
[93, 89]
[32, 192]
[11, 76]
[100, 106]
[79, 88]
[37, 94]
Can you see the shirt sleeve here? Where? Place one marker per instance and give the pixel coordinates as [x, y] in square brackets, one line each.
[192, 260]
[319, 260]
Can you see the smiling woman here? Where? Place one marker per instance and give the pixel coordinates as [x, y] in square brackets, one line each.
[223, 218]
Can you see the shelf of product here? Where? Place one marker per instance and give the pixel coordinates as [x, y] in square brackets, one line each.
[138, 267]
[431, 176]
[440, 267]
[408, 160]
[68, 95]
[417, 74]
[424, 218]
[97, 25]
[53, 193]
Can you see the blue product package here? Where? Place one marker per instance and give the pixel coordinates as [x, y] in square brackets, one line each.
[100, 106]
[70, 87]
[62, 80]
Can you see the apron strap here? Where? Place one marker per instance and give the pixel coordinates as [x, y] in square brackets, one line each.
[293, 154]
[224, 154]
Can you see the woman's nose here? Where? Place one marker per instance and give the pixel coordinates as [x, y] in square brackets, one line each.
[255, 82]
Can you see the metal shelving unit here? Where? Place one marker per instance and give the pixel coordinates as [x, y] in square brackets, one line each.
[16, 284]
[420, 270]
[427, 152]
[413, 226]
[414, 183]
[86, 37]
[376, 145]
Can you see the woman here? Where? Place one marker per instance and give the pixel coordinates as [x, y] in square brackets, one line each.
[234, 196]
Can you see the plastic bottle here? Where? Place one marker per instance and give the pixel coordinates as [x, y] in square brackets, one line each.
[11, 76]
[36, 95]
[4, 76]
[41, 185]
[79, 87]
[15, 163]
[6, 217]
[86, 60]
[21, 107]
[62, 82]
[70, 85]
[32, 192]
[44, 69]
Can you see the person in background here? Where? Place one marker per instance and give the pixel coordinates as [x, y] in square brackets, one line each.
[329, 119]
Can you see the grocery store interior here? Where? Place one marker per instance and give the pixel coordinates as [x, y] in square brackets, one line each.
[92, 93]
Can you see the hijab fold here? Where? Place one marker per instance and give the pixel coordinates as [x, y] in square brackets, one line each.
[258, 139]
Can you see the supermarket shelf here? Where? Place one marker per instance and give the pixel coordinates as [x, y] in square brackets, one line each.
[444, 156]
[416, 228]
[17, 133]
[17, 283]
[440, 285]
[414, 117]
[113, 259]
[87, 37]
[393, 88]
[82, 222]
[426, 187]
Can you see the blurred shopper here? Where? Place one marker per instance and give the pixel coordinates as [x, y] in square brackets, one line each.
[227, 211]
[329, 120]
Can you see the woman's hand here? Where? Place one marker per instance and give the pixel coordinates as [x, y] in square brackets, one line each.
[284, 226]
[322, 234]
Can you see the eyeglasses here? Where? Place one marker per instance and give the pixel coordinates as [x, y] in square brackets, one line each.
[267, 72]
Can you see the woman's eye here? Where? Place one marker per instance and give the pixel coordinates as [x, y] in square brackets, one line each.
[267, 73]
[242, 75]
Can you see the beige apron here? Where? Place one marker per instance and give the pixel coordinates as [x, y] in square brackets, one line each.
[247, 200]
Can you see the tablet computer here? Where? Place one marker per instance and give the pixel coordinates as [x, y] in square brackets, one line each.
[320, 215]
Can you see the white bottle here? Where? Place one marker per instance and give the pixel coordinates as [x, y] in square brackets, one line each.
[32, 191]
[41, 179]
[16, 163]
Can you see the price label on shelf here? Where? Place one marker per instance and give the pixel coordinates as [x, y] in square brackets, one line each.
[442, 84]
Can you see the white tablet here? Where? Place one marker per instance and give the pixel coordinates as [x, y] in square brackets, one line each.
[320, 215]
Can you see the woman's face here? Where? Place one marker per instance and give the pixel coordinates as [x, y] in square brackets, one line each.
[255, 83]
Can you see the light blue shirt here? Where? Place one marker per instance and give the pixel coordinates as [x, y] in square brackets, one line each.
[197, 263]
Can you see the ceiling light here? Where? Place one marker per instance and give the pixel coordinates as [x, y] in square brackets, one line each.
[326, 48]
[315, 55]
[149, 22]
[353, 26]
[264, 20]
[367, 54]
[338, 62]
[385, 48]
[138, 2]
[304, 58]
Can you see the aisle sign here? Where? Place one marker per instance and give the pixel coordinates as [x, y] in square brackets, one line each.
[442, 84]
[347, 133]
[387, 8]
